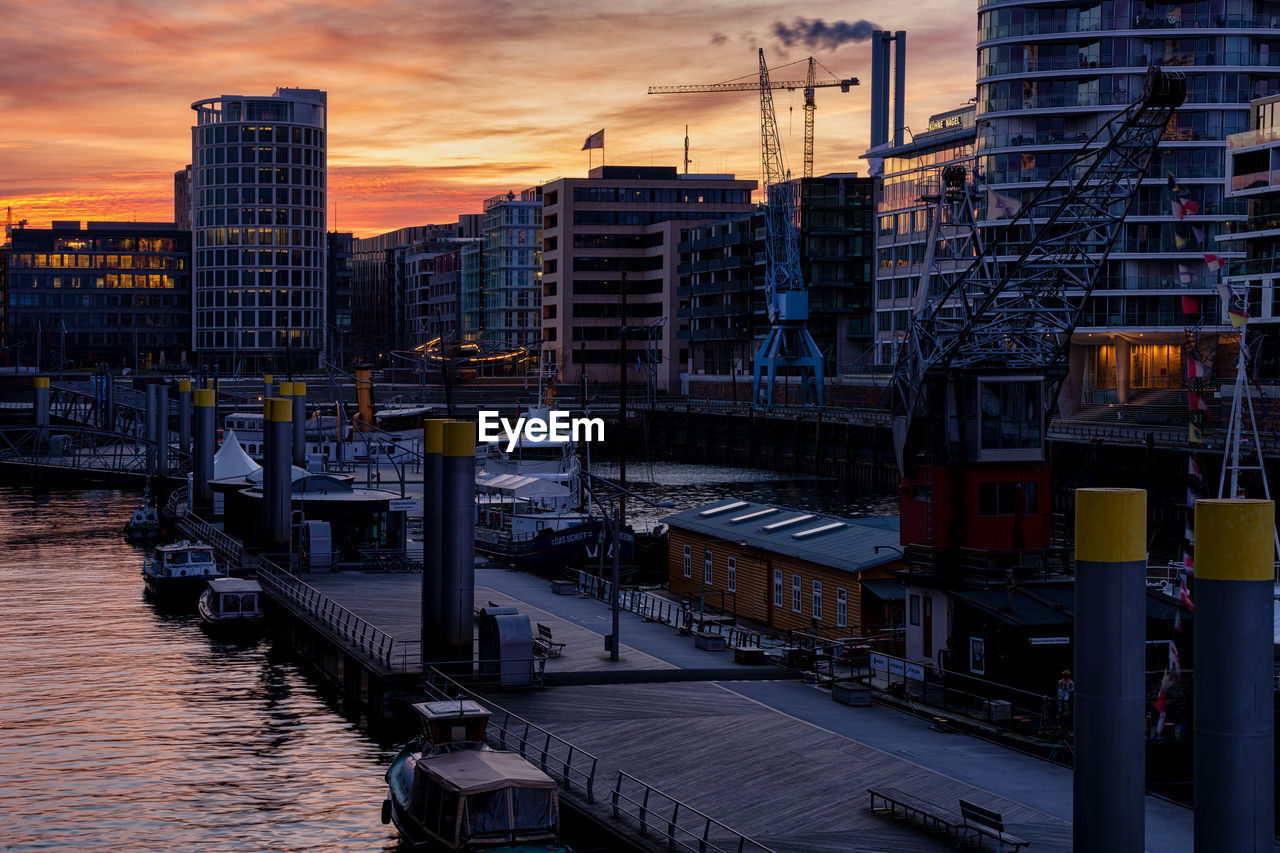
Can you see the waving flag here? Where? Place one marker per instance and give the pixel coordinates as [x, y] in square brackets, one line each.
[1197, 369]
[1173, 184]
[1193, 434]
[1001, 206]
[595, 140]
[1179, 242]
[1238, 317]
[1193, 468]
[1198, 233]
[1190, 305]
[1214, 262]
[1195, 404]
[1191, 206]
[1184, 595]
[1225, 292]
[1185, 275]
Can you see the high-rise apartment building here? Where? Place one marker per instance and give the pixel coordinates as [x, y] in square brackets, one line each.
[512, 262]
[1049, 75]
[340, 295]
[258, 217]
[182, 198]
[623, 224]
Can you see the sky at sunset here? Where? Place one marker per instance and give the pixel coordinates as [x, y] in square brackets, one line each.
[435, 106]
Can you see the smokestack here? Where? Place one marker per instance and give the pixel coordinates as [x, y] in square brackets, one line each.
[1234, 738]
[184, 414]
[458, 542]
[277, 425]
[202, 464]
[162, 429]
[300, 424]
[1110, 652]
[899, 85]
[432, 579]
[879, 88]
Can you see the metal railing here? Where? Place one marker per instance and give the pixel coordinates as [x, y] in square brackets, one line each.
[569, 765]
[227, 547]
[683, 827]
[85, 449]
[176, 506]
[356, 633]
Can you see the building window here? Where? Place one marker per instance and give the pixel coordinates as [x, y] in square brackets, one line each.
[914, 607]
[706, 566]
[817, 600]
[977, 655]
[777, 587]
[688, 561]
[732, 580]
[795, 593]
[842, 608]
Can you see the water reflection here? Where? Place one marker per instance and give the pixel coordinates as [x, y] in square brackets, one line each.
[126, 727]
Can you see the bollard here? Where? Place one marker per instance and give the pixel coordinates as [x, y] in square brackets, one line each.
[277, 425]
[184, 414]
[458, 542]
[432, 586]
[162, 429]
[205, 447]
[1110, 617]
[40, 397]
[300, 424]
[1233, 745]
[267, 381]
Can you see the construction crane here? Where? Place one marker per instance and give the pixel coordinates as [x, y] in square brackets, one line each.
[808, 84]
[788, 343]
[985, 355]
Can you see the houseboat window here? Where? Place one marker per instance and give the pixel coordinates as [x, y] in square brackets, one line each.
[231, 603]
[732, 580]
[201, 557]
[533, 808]
[688, 561]
[795, 593]
[429, 804]
[777, 587]
[817, 600]
[178, 558]
[706, 566]
[915, 609]
[842, 608]
[487, 813]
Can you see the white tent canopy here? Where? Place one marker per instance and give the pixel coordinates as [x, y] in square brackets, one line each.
[517, 487]
[231, 460]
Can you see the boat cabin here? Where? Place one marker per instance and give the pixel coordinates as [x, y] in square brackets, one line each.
[234, 598]
[183, 559]
[453, 722]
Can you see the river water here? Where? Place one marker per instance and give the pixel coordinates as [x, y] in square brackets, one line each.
[124, 727]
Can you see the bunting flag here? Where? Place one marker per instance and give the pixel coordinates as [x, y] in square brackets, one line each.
[1173, 184]
[1197, 369]
[1189, 533]
[1193, 468]
[1175, 659]
[1195, 404]
[1199, 234]
[1177, 621]
[1179, 241]
[1185, 275]
[1193, 434]
[1190, 305]
[1179, 211]
[1238, 317]
[1214, 262]
[1225, 292]
[595, 140]
[1190, 206]
[1001, 206]
[1184, 594]
[1245, 351]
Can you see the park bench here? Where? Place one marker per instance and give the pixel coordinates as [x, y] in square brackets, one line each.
[983, 821]
[931, 816]
[545, 644]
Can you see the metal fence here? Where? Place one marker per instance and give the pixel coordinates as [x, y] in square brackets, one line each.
[356, 633]
[682, 826]
[571, 766]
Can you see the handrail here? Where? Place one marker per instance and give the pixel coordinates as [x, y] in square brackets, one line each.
[554, 755]
[359, 634]
[699, 831]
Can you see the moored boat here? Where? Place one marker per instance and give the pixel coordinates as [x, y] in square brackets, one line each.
[179, 571]
[145, 521]
[231, 606]
[450, 792]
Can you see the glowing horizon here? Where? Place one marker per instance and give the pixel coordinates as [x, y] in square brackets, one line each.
[432, 108]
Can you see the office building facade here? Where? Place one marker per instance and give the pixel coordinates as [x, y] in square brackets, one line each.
[512, 300]
[258, 218]
[1050, 74]
[618, 232]
[116, 293]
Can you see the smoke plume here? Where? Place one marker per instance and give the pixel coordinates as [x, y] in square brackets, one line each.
[818, 33]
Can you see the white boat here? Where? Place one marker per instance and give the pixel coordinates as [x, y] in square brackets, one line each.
[145, 521]
[448, 791]
[180, 570]
[232, 606]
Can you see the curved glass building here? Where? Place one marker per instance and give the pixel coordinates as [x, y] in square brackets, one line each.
[1048, 74]
[258, 229]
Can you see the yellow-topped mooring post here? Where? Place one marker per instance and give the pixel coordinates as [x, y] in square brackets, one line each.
[300, 424]
[206, 442]
[267, 390]
[277, 483]
[458, 542]
[1110, 658]
[184, 414]
[1232, 691]
[432, 579]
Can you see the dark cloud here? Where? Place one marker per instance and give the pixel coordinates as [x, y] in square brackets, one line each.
[818, 33]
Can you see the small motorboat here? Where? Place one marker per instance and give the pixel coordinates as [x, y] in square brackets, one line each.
[179, 571]
[145, 521]
[448, 791]
[231, 606]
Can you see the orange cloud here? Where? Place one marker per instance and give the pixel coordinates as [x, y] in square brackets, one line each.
[433, 106]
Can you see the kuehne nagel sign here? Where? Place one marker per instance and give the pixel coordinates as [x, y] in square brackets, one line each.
[556, 427]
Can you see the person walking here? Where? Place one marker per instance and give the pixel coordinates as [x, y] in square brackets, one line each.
[1066, 693]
